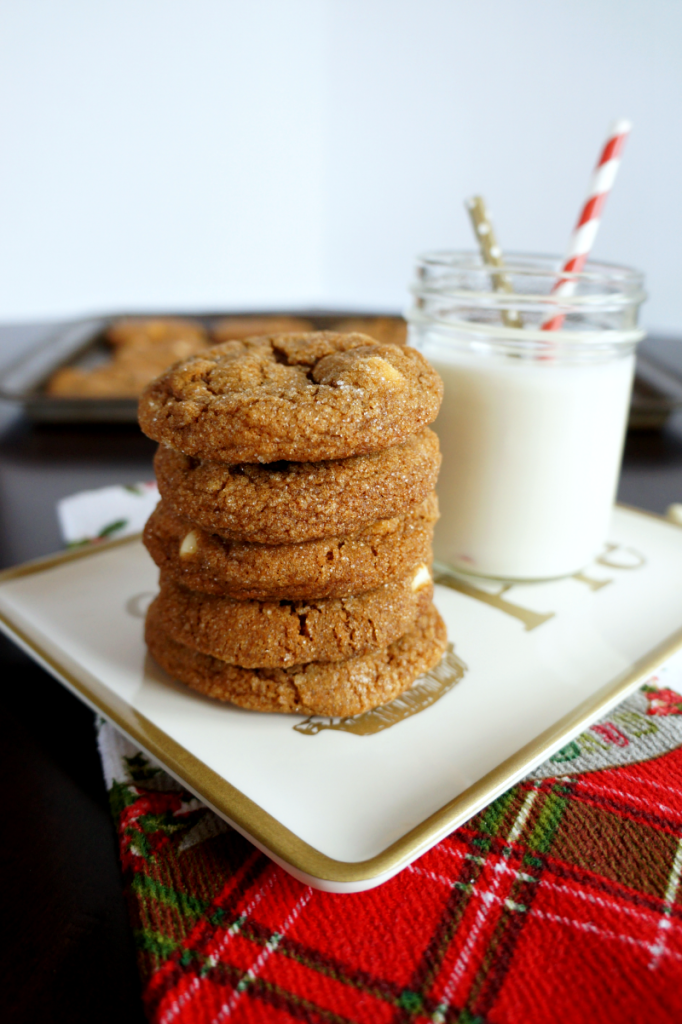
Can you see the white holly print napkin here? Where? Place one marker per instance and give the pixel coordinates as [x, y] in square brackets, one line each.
[106, 513]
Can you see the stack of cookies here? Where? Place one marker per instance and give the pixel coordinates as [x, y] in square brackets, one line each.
[297, 476]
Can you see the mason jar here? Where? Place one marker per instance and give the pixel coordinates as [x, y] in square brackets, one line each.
[533, 421]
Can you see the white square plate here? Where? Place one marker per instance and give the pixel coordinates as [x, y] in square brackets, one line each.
[345, 804]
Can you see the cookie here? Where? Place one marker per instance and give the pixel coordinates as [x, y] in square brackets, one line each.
[290, 502]
[339, 688]
[330, 567]
[73, 382]
[390, 330]
[146, 332]
[126, 376]
[234, 328]
[142, 350]
[159, 357]
[108, 381]
[276, 634]
[157, 344]
[293, 397]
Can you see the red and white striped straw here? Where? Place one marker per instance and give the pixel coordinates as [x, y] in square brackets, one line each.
[586, 229]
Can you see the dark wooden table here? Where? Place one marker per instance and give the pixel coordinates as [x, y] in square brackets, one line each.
[68, 953]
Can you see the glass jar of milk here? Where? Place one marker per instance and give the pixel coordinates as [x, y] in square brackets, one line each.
[533, 421]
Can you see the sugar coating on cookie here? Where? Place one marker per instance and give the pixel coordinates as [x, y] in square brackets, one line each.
[289, 502]
[276, 634]
[326, 567]
[295, 397]
[335, 689]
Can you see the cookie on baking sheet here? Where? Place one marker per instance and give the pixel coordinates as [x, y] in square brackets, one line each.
[340, 688]
[142, 350]
[235, 328]
[294, 397]
[147, 332]
[117, 379]
[154, 345]
[289, 502]
[389, 330]
[329, 567]
[159, 357]
[276, 634]
[109, 381]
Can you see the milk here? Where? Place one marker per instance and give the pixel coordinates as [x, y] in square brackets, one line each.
[531, 455]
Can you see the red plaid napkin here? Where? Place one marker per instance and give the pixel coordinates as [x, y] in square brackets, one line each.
[560, 901]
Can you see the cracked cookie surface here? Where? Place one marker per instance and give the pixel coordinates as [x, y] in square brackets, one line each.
[289, 502]
[327, 567]
[276, 634]
[293, 397]
[334, 688]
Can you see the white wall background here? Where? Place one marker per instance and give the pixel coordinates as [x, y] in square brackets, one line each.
[206, 154]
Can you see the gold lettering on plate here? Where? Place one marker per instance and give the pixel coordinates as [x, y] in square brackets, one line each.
[428, 689]
[589, 582]
[615, 556]
[629, 558]
[530, 619]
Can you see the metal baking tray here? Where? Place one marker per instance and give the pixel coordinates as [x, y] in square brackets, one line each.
[82, 344]
[656, 394]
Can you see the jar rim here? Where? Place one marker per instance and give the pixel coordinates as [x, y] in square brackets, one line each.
[531, 265]
[527, 263]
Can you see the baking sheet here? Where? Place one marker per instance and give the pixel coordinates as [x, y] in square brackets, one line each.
[82, 344]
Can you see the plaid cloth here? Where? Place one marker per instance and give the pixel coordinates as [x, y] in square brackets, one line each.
[560, 901]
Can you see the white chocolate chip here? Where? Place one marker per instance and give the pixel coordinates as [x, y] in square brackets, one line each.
[189, 545]
[386, 370]
[421, 578]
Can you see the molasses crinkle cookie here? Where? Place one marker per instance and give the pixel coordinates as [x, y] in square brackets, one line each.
[276, 634]
[327, 567]
[290, 502]
[293, 397]
[320, 688]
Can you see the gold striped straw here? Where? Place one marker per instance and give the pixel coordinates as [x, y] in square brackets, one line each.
[492, 254]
